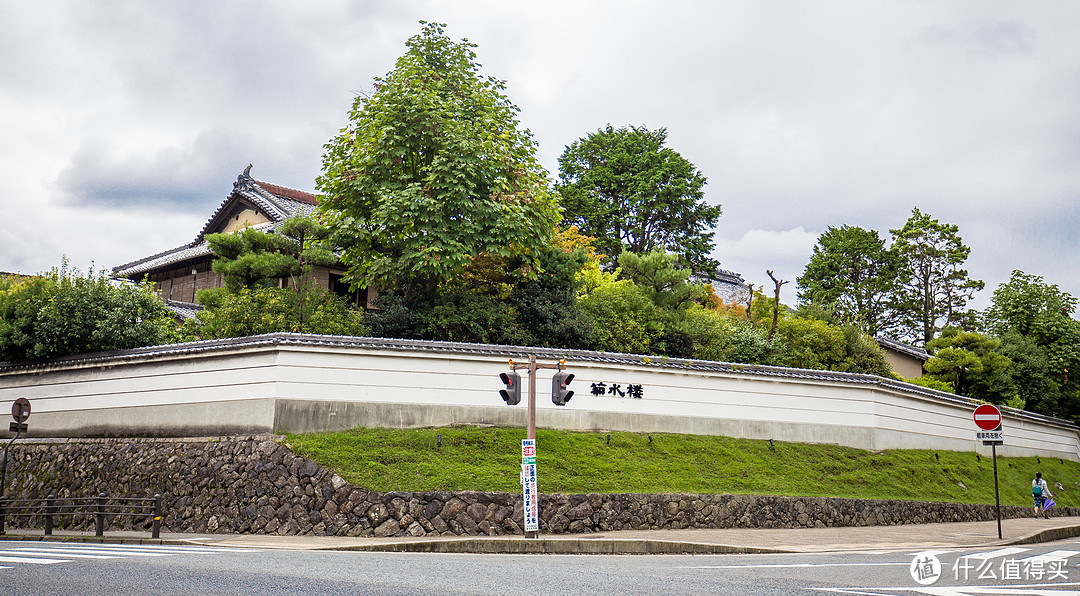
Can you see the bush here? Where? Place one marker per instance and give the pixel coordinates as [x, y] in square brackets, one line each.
[62, 312]
[268, 310]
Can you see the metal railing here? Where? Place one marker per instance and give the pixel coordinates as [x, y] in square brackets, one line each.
[100, 507]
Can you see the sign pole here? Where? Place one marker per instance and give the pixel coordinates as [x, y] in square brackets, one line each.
[997, 496]
[988, 419]
[530, 430]
[530, 493]
[530, 434]
[20, 412]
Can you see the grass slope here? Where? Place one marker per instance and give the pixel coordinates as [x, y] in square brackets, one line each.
[489, 459]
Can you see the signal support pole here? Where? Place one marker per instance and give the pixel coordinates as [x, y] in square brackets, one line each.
[530, 424]
[530, 419]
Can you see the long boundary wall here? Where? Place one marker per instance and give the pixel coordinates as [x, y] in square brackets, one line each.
[300, 383]
[258, 485]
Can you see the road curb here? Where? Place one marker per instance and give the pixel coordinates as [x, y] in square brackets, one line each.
[560, 546]
[1049, 535]
[517, 545]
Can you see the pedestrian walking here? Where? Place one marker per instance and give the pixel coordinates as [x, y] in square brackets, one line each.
[1040, 493]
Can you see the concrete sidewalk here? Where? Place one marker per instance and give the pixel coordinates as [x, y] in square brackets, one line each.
[720, 541]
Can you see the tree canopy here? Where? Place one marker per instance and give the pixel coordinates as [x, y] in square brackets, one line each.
[626, 189]
[934, 288]
[972, 363]
[433, 170]
[63, 312]
[1030, 306]
[852, 271]
[252, 311]
[1033, 320]
[253, 258]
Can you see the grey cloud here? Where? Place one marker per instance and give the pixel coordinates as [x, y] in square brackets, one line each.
[991, 38]
[1006, 37]
[190, 178]
[799, 114]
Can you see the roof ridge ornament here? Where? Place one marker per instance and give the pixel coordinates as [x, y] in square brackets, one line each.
[244, 180]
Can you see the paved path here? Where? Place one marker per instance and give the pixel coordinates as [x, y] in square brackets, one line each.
[951, 535]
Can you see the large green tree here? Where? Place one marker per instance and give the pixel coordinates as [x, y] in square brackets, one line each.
[1031, 306]
[63, 312]
[624, 187]
[934, 287]
[972, 363]
[1034, 320]
[852, 272]
[433, 170]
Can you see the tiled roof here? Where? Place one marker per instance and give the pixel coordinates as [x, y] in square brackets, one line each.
[278, 202]
[519, 353]
[903, 348]
[277, 207]
[169, 257]
[184, 310]
[720, 276]
[284, 191]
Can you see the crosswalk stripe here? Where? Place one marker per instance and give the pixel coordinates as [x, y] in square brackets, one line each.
[60, 552]
[1001, 552]
[1054, 555]
[163, 548]
[66, 552]
[117, 552]
[29, 560]
[930, 553]
[187, 549]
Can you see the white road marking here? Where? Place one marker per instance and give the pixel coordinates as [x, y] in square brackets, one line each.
[931, 553]
[993, 554]
[1018, 590]
[793, 565]
[44, 554]
[1053, 555]
[163, 548]
[116, 552]
[65, 552]
[29, 560]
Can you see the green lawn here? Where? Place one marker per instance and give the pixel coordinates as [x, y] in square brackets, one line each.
[488, 459]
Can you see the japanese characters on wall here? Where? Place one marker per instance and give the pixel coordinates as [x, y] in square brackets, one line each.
[631, 391]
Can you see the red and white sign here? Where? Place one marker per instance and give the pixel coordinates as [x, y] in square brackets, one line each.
[987, 417]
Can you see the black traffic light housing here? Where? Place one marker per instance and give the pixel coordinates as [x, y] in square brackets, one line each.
[559, 393]
[512, 394]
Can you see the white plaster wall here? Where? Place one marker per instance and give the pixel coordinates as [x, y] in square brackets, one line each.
[127, 392]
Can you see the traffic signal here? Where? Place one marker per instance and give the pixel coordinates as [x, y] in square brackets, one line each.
[512, 394]
[559, 393]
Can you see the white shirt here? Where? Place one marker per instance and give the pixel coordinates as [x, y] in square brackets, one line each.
[1041, 483]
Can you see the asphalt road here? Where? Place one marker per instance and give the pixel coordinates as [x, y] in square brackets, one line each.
[51, 568]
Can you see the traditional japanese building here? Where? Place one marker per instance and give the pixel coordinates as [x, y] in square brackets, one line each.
[182, 271]
[906, 360]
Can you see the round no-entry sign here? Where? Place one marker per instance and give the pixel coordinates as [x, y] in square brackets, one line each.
[20, 410]
[987, 417]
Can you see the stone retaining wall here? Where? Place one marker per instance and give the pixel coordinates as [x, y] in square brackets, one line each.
[256, 484]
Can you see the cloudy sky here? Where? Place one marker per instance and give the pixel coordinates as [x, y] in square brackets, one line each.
[122, 128]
